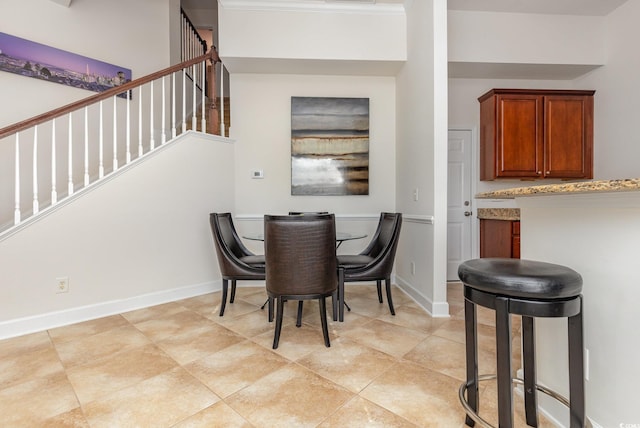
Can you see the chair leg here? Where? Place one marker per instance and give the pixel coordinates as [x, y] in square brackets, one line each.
[387, 282]
[576, 370]
[529, 368]
[276, 336]
[471, 341]
[334, 302]
[379, 286]
[223, 302]
[341, 294]
[299, 318]
[323, 321]
[233, 291]
[270, 301]
[503, 356]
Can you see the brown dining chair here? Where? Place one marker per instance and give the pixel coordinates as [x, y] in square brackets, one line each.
[301, 264]
[374, 263]
[235, 260]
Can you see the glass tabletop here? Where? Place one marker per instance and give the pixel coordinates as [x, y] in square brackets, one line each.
[340, 236]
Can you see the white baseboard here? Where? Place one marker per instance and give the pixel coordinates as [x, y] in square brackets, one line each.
[26, 325]
[436, 310]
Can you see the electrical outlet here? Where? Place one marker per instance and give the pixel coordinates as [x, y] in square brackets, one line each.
[586, 364]
[62, 285]
[413, 268]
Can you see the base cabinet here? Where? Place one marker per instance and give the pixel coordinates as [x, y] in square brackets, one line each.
[535, 134]
[500, 238]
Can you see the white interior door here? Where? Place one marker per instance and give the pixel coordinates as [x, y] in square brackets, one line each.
[460, 210]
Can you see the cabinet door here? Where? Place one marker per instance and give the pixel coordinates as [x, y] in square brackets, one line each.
[495, 238]
[568, 137]
[519, 148]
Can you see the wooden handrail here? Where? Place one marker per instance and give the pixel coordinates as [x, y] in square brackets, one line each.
[212, 55]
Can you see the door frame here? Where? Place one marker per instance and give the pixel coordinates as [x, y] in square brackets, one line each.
[475, 153]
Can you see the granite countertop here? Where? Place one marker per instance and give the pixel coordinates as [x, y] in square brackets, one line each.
[599, 186]
[509, 214]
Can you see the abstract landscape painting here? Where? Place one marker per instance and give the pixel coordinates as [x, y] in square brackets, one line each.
[31, 59]
[329, 146]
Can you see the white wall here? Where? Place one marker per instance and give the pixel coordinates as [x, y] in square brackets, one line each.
[322, 32]
[525, 38]
[261, 127]
[596, 235]
[421, 156]
[107, 31]
[617, 98]
[140, 239]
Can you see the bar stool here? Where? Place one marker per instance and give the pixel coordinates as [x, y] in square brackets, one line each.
[530, 289]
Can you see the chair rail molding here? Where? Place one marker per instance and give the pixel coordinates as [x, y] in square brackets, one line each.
[418, 218]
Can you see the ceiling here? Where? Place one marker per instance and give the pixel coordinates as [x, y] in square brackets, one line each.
[551, 7]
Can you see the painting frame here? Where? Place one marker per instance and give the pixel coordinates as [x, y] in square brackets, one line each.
[329, 146]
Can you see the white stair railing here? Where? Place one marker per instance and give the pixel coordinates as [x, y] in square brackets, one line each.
[83, 139]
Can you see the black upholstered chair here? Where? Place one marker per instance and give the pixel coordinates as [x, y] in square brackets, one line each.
[300, 255]
[235, 260]
[374, 263]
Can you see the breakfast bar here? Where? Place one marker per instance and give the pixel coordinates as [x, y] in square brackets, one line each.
[592, 227]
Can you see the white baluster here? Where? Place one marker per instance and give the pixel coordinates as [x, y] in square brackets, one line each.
[152, 141]
[101, 145]
[115, 133]
[86, 146]
[140, 148]
[16, 213]
[36, 206]
[164, 119]
[54, 193]
[184, 100]
[173, 105]
[204, 96]
[194, 110]
[70, 159]
[128, 131]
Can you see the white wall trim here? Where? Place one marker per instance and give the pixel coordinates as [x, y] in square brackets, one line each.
[415, 218]
[436, 310]
[326, 7]
[21, 326]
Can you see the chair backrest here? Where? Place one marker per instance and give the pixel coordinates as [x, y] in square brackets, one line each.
[384, 243]
[230, 236]
[300, 254]
[230, 249]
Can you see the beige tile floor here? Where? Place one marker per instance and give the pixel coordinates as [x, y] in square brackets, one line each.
[181, 365]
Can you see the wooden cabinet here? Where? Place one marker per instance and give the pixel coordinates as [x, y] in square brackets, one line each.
[500, 238]
[531, 134]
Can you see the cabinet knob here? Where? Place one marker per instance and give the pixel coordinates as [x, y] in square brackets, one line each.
[539, 172]
[548, 172]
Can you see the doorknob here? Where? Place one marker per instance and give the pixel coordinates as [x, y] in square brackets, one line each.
[467, 213]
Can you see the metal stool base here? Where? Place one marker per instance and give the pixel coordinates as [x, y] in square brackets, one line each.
[479, 420]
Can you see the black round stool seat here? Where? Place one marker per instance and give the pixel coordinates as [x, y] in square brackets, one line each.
[531, 289]
[521, 278]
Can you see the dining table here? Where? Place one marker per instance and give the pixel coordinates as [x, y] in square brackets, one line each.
[340, 237]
